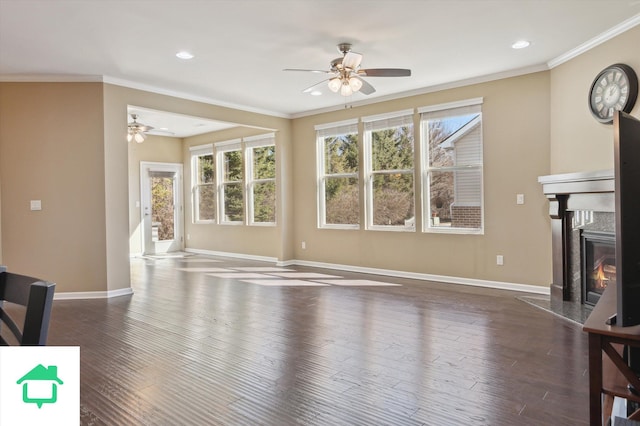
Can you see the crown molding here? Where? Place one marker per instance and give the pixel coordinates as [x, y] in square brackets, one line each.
[596, 41]
[74, 78]
[50, 78]
[188, 96]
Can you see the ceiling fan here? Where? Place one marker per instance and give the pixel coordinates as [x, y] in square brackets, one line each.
[347, 75]
[136, 131]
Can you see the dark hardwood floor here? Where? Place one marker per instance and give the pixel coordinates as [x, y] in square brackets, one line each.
[189, 348]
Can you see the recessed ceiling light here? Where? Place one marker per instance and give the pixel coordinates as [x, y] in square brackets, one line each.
[316, 93]
[184, 55]
[520, 44]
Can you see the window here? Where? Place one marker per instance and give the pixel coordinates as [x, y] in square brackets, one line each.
[452, 177]
[203, 184]
[261, 179]
[230, 176]
[389, 171]
[338, 194]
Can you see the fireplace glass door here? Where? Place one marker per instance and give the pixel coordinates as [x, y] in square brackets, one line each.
[599, 264]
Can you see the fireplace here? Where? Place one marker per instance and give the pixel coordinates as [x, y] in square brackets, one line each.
[598, 253]
[580, 204]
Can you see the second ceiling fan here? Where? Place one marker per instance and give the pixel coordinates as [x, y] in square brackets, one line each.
[347, 75]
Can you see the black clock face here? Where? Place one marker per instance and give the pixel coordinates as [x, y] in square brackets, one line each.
[615, 88]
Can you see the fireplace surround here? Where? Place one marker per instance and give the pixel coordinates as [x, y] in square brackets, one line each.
[578, 203]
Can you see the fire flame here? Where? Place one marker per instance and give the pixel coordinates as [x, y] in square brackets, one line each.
[600, 278]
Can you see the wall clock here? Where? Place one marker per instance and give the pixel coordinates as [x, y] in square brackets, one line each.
[614, 88]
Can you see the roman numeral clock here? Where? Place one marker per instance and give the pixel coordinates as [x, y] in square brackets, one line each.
[615, 88]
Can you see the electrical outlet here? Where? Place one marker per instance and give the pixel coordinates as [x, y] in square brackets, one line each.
[499, 260]
[304, 245]
[519, 198]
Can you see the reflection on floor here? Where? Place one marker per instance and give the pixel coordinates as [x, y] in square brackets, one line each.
[275, 276]
[339, 348]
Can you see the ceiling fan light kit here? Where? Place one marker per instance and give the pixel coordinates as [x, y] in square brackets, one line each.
[347, 74]
[138, 137]
[335, 84]
[136, 131]
[355, 83]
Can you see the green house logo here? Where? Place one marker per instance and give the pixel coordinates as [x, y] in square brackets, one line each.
[40, 385]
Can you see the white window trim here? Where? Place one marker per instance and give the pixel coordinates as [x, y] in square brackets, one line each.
[196, 152]
[221, 149]
[468, 106]
[387, 115]
[321, 175]
[250, 143]
[369, 173]
[260, 140]
[336, 125]
[450, 105]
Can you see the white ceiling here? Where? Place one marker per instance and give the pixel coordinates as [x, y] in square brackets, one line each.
[175, 125]
[242, 46]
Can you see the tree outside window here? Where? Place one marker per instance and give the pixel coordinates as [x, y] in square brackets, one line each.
[339, 196]
[390, 188]
[204, 190]
[232, 186]
[262, 183]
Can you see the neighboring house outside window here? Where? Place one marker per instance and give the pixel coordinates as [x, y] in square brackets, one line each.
[231, 187]
[338, 165]
[452, 175]
[389, 171]
[203, 184]
[261, 179]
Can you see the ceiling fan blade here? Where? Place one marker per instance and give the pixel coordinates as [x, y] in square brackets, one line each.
[385, 72]
[298, 69]
[351, 60]
[366, 88]
[160, 132]
[137, 127]
[316, 86]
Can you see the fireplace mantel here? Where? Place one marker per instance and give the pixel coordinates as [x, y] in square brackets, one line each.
[591, 191]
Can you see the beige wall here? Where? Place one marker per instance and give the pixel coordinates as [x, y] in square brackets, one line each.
[578, 141]
[240, 239]
[263, 241]
[158, 149]
[516, 152]
[51, 149]
[64, 143]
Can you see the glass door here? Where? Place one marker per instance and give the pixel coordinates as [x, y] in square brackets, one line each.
[161, 207]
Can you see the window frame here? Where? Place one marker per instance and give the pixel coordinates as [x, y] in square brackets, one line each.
[197, 152]
[250, 143]
[221, 149]
[376, 123]
[324, 131]
[444, 111]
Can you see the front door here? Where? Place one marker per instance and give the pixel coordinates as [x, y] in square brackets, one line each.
[161, 194]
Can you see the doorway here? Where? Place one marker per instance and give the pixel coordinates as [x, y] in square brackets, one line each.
[162, 211]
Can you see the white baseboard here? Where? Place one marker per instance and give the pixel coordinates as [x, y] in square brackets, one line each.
[77, 295]
[525, 288]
